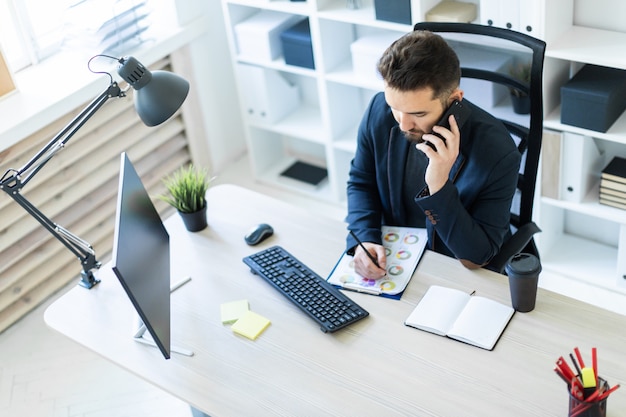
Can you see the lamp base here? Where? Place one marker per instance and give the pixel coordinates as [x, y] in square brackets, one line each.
[88, 280]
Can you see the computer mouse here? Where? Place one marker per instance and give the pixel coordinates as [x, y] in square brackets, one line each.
[258, 234]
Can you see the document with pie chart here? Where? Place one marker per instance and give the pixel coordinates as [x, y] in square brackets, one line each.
[404, 247]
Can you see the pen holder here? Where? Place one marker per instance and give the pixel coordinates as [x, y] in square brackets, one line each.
[582, 408]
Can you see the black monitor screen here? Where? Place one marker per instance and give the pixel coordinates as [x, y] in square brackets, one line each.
[141, 255]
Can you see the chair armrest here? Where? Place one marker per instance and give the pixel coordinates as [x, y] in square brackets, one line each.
[513, 246]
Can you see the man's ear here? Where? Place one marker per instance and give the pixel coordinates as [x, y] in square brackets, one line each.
[457, 94]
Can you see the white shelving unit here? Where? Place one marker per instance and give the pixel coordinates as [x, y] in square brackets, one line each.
[333, 96]
[322, 129]
[584, 240]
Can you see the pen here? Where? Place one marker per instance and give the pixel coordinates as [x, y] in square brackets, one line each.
[575, 364]
[179, 284]
[369, 255]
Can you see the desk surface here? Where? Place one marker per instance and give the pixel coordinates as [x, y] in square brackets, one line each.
[377, 367]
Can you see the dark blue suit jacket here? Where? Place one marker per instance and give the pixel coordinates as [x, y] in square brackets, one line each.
[468, 218]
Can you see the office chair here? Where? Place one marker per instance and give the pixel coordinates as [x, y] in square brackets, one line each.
[522, 226]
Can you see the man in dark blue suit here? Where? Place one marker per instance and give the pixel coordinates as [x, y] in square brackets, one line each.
[460, 187]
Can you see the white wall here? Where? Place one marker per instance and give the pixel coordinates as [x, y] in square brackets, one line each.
[213, 75]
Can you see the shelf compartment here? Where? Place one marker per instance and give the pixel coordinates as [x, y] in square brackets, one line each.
[346, 106]
[590, 206]
[584, 260]
[281, 102]
[267, 96]
[589, 46]
[304, 122]
[278, 64]
[272, 153]
[248, 45]
[578, 241]
[616, 133]
[344, 74]
[336, 39]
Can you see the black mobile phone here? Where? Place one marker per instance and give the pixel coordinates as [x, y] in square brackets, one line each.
[461, 113]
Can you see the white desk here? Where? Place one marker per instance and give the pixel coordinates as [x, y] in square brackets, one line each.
[377, 367]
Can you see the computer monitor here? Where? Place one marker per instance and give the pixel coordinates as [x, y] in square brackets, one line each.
[141, 256]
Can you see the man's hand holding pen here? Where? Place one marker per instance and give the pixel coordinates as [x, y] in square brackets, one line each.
[370, 260]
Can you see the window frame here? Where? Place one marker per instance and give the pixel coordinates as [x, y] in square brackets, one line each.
[24, 47]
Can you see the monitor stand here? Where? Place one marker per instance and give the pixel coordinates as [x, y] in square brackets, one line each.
[140, 335]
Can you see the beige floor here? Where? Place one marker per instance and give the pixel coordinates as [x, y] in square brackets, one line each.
[44, 374]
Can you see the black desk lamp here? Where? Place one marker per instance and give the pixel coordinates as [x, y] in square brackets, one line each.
[158, 95]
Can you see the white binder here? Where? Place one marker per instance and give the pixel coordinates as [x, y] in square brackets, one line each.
[490, 13]
[530, 18]
[510, 13]
[581, 164]
[266, 94]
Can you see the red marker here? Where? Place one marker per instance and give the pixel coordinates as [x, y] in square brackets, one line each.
[580, 358]
[594, 362]
[608, 392]
[565, 369]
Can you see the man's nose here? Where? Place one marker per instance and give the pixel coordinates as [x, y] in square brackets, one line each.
[405, 122]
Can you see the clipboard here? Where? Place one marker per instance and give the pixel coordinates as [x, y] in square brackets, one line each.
[404, 247]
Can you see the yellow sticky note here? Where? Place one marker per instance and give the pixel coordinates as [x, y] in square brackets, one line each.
[250, 325]
[233, 310]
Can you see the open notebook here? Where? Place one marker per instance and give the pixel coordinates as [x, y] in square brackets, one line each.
[458, 315]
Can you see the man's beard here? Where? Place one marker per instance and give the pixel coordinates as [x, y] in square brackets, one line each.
[413, 137]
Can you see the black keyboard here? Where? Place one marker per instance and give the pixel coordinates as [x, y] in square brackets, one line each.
[323, 302]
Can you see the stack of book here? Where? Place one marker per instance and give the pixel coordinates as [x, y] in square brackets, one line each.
[613, 183]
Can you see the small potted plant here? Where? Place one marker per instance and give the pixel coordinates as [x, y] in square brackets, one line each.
[186, 191]
[521, 101]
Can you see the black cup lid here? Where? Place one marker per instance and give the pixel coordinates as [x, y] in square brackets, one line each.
[523, 264]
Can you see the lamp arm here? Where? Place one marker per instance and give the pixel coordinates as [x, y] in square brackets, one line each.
[28, 171]
[83, 250]
[14, 180]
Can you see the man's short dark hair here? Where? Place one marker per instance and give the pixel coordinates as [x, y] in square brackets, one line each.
[418, 60]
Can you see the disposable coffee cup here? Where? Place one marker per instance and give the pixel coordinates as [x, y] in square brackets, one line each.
[523, 270]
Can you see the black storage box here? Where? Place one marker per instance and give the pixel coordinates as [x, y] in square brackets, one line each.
[297, 47]
[398, 11]
[594, 98]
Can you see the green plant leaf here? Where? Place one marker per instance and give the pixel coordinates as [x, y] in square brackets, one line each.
[186, 188]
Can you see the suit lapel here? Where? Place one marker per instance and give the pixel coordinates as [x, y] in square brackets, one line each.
[398, 151]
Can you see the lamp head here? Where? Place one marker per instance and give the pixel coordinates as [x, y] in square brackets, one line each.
[158, 95]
